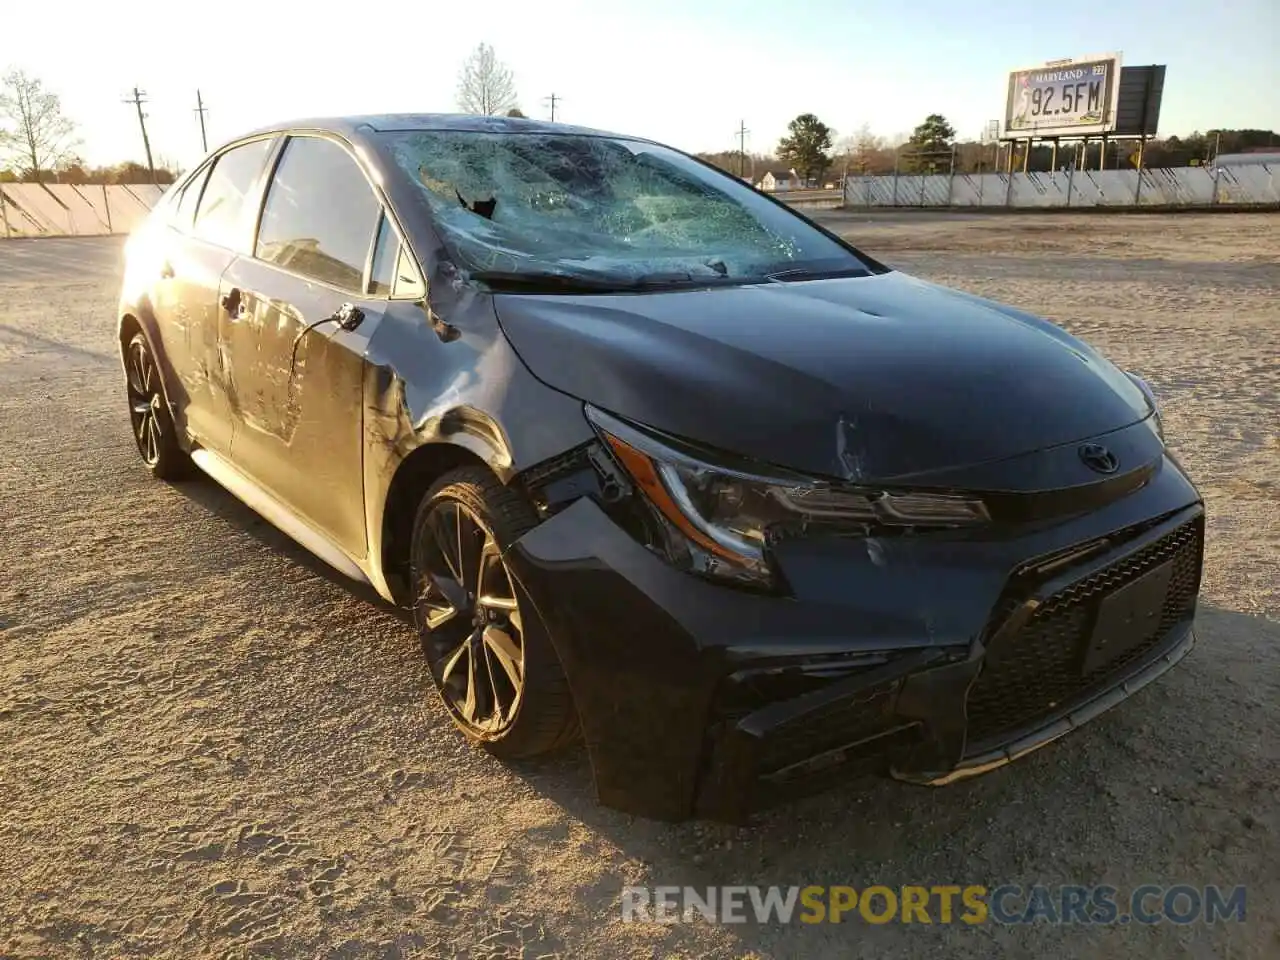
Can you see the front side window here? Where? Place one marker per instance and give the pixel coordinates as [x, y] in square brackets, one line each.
[600, 207]
[320, 214]
[393, 273]
[219, 217]
[408, 282]
[382, 271]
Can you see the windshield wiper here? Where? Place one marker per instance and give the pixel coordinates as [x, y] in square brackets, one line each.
[811, 273]
[535, 282]
[543, 282]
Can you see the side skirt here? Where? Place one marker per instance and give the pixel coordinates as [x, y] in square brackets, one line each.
[276, 513]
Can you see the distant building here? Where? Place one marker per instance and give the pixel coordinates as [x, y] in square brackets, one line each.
[1270, 158]
[779, 180]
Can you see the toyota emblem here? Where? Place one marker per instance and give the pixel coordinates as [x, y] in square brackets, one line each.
[1099, 459]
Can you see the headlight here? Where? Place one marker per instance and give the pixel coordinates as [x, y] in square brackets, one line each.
[721, 517]
[1151, 399]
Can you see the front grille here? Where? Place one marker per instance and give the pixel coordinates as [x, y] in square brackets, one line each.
[839, 725]
[1037, 671]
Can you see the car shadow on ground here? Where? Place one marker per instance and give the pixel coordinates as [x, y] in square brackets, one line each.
[221, 503]
[36, 342]
[1166, 788]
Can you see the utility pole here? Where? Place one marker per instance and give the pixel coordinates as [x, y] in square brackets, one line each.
[742, 148]
[138, 99]
[553, 99]
[201, 110]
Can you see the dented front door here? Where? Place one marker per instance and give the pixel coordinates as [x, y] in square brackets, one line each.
[294, 381]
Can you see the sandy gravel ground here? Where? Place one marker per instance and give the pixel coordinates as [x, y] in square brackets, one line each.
[212, 747]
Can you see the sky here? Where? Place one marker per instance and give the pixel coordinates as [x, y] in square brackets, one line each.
[684, 72]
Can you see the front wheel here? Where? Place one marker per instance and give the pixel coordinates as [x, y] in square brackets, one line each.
[500, 681]
[153, 428]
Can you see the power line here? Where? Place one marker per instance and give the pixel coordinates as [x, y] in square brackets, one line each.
[138, 99]
[553, 100]
[201, 110]
[742, 148]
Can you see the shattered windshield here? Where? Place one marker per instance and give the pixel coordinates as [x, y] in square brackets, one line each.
[593, 207]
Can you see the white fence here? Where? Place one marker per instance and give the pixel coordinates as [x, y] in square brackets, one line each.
[62, 210]
[1162, 187]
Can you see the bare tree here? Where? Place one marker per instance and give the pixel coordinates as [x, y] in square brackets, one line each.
[866, 142]
[34, 135]
[485, 85]
[868, 151]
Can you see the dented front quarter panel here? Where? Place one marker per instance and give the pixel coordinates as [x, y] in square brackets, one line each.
[441, 372]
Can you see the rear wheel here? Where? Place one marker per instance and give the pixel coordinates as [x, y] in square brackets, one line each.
[498, 676]
[153, 428]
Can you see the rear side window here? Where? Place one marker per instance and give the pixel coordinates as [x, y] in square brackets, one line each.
[184, 211]
[219, 216]
[320, 214]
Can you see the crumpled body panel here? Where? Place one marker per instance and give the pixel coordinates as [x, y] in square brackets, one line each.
[698, 699]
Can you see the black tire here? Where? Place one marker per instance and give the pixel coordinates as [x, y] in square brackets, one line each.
[154, 432]
[472, 625]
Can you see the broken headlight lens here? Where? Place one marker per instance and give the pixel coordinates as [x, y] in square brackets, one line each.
[721, 516]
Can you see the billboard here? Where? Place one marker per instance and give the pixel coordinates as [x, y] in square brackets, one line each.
[1141, 92]
[1063, 98]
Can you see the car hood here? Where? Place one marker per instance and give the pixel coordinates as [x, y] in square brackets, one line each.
[865, 378]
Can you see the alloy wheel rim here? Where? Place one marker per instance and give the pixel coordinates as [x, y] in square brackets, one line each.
[145, 402]
[470, 620]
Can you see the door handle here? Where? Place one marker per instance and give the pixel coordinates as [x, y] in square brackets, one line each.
[233, 302]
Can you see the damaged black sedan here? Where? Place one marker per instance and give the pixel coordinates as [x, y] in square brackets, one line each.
[656, 461]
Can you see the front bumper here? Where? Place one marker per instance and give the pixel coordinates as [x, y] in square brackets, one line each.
[932, 657]
[1126, 684]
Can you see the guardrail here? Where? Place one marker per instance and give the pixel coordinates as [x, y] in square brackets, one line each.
[1191, 187]
[66, 210]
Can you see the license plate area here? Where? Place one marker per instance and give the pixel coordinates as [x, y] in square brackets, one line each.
[1127, 618]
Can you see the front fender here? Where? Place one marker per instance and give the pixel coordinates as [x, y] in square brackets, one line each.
[432, 402]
